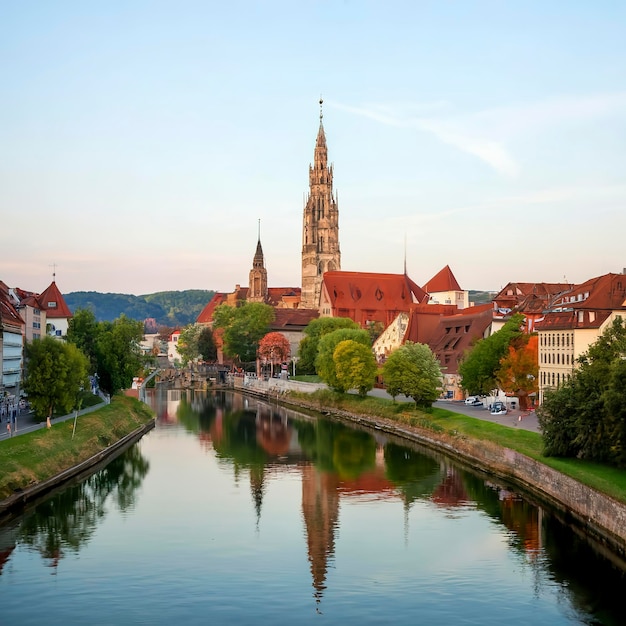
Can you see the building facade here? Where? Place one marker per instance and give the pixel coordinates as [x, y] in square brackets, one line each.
[576, 320]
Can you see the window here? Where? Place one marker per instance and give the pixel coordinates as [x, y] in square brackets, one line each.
[52, 305]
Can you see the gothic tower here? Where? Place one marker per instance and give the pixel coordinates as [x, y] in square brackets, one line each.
[258, 275]
[320, 229]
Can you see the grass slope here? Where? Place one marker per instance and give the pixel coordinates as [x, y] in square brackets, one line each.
[30, 458]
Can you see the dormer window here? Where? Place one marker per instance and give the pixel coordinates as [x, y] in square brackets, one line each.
[52, 305]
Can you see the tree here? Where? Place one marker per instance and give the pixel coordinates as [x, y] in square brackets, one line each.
[585, 417]
[316, 329]
[243, 328]
[55, 374]
[206, 344]
[187, 345]
[82, 331]
[325, 363]
[274, 348]
[519, 368]
[481, 363]
[118, 353]
[414, 371]
[355, 366]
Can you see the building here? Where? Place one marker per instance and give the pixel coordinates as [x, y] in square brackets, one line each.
[575, 320]
[58, 313]
[11, 344]
[368, 298]
[320, 227]
[530, 299]
[443, 288]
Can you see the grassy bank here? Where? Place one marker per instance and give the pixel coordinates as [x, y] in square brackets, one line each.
[30, 458]
[608, 480]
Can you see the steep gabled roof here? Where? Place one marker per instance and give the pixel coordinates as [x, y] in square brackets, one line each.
[444, 280]
[456, 333]
[375, 292]
[53, 303]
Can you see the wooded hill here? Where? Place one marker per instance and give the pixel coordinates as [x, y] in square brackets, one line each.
[168, 308]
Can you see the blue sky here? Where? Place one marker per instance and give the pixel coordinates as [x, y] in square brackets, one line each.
[143, 141]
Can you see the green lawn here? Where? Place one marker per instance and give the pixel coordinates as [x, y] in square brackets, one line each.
[30, 458]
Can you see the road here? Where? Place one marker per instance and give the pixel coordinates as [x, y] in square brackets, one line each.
[523, 420]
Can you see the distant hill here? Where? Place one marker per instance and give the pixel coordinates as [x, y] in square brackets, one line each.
[481, 297]
[168, 308]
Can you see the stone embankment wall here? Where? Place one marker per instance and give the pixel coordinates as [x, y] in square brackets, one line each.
[601, 516]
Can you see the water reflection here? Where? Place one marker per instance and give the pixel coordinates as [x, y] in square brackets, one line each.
[65, 523]
[305, 512]
[338, 463]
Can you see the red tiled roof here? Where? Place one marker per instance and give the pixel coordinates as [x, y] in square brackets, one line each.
[8, 312]
[52, 295]
[444, 280]
[587, 305]
[602, 292]
[293, 318]
[455, 334]
[275, 295]
[376, 292]
[206, 315]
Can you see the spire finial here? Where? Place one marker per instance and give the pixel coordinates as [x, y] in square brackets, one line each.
[321, 103]
[259, 229]
[54, 270]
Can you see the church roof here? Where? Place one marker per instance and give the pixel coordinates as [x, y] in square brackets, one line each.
[53, 303]
[365, 290]
[444, 280]
[206, 315]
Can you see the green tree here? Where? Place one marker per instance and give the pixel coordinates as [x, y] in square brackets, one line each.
[585, 417]
[118, 353]
[325, 362]
[243, 328]
[316, 329]
[55, 374]
[355, 366]
[206, 344]
[187, 345]
[480, 365]
[82, 332]
[414, 371]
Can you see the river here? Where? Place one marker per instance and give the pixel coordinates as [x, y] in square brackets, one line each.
[232, 511]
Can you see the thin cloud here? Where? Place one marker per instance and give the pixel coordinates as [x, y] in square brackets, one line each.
[487, 150]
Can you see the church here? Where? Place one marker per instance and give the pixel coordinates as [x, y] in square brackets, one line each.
[327, 291]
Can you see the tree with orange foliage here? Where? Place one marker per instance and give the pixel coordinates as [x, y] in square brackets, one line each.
[274, 348]
[519, 368]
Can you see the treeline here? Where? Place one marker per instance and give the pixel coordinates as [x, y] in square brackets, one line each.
[168, 308]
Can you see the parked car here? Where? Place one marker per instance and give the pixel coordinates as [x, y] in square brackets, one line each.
[472, 399]
[476, 402]
[498, 408]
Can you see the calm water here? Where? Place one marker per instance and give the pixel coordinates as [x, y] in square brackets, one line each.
[231, 512]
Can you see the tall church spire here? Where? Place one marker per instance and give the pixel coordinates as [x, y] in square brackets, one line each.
[320, 229]
[257, 291]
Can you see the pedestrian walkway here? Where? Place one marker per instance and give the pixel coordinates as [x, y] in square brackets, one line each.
[26, 421]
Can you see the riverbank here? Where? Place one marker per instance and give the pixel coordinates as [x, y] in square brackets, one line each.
[37, 462]
[601, 516]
